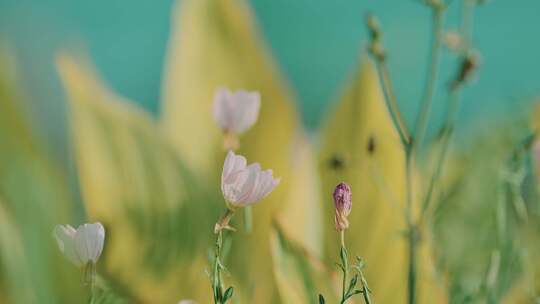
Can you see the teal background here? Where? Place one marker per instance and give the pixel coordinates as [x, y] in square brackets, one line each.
[316, 43]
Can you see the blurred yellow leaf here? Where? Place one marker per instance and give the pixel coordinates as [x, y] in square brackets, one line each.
[301, 215]
[361, 146]
[300, 277]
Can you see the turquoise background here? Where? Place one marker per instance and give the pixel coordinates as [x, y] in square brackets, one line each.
[316, 43]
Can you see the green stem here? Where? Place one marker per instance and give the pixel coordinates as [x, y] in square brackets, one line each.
[89, 277]
[365, 290]
[431, 76]
[345, 264]
[467, 21]
[217, 283]
[449, 126]
[391, 101]
[411, 150]
[412, 275]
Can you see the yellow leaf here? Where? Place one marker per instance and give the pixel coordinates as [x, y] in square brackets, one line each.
[301, 215]
[300, 277]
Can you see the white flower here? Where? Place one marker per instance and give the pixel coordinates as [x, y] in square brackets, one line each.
[82, 245]
[187, 302]
[235, 112]
[245, 185]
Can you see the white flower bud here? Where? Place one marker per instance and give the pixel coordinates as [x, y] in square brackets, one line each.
[80, 246]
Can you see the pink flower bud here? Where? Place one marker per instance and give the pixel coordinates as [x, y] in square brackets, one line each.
[343, 205]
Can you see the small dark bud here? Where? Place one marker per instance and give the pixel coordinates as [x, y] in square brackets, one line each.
[469, 65]
[375, 47]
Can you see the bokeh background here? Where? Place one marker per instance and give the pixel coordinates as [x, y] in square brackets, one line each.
[316, 44]
[105, 116]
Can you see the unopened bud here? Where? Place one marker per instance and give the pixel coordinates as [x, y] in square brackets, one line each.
[343, 205]
[469, 65]
[375, 47]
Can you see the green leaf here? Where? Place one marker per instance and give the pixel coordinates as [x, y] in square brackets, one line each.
[352, 284]
[228, 294]
[321, 299]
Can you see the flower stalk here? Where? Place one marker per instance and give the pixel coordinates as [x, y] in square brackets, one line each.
[412, 142]
[343, 206]
[220, 296]
[242, 185]
[82, 247]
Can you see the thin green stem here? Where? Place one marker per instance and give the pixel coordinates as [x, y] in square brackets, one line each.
[412, 274]
[448, 130]
[467, 21]
[92, 292]
[217, 284]
[365, 294]
[391, 101]
[411, 150]
[89, 277]
[345, 264]
[431, 76]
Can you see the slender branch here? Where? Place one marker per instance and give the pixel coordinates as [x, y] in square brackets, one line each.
[467, 21]
[344, 263]
[217, 283]
[411, 276]
[377, 51]
[391, 102]
[431, 76]
[448, 130]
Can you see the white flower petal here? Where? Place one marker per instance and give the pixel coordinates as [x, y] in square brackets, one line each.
[233, 164]
[247, 110]
[249, 186]
[222, 107]
[266, 184]
[89, 242]
[241, 185]
[236, 112]
[65, 237]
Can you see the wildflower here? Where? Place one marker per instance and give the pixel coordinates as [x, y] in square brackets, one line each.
[343, 205]
[243, 185]
[235, 113]
[81, 246]
[187, 302]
